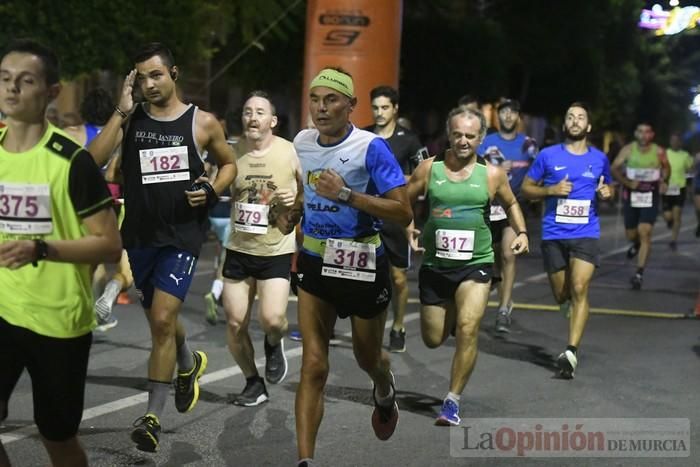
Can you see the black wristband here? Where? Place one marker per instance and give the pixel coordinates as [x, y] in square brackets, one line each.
[212, 196]
[41, 251]
[521, 233]
[121, 113]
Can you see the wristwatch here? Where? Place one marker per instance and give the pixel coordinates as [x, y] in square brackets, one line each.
[41, 251]
[344, 194]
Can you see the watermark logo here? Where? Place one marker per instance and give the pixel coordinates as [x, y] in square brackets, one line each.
[571, 437]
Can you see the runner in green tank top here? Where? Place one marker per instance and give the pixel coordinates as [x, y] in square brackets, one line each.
[455, 277]
[643, 170]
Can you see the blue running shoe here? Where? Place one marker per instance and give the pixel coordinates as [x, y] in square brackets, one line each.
[449, 415]
[295, 335]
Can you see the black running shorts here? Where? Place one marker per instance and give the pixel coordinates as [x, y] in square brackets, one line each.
[635, 216]
[349, 297]
[395, 245]
[557, 253]
[438, 286]
[57, 368]
[239, 266]
[669, 202]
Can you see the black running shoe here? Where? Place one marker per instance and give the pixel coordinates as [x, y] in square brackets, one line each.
[633, 250]
[397, 341]
[275, 362]
[503, 319]
[146, 433]
[567, 363]
[636, 281]
[253, 394]
[187, 383]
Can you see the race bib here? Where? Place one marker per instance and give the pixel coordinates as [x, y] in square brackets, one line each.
[643, 175]
[497, 213]
[164, 165]
[641, 199]
[345, 259]
[673, 190]
[454, 244]
[251, 218]
[25, 209]
[572, 211]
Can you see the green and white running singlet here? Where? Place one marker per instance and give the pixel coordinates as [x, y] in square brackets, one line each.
[457, 232]
[44, 194]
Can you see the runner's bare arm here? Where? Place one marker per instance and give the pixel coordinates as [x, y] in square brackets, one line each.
[418, 182]
[220, 149]
[533, 190]
[102, 244]
[104, 144]
[617, 168]
[507, 199]
[392, 206]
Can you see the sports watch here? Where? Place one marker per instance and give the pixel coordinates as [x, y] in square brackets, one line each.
[41, 251]
[344, 194]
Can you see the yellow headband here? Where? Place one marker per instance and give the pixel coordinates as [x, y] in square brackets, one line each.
[335, 80]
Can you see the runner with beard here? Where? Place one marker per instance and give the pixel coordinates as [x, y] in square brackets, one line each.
[406, 148]
[165, 224]
[513, 152]
[570, 177]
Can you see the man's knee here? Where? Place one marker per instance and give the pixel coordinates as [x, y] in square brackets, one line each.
[579, 288]
[274, 322]
[314, 369]
[432, 338]
[467, 331]
[400, 281]
[163, 325]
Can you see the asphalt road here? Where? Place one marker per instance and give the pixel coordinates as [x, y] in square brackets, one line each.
[638, 360]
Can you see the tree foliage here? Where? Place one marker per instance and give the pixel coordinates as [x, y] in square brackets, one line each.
[548, 54]
[99, 34]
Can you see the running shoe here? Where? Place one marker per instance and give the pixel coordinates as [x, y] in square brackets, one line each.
[633, 250]
[673, 246]
[123, 299]
[567, 362]
[295, 335]
[636, 281]
[103, 313]
[106, 326]
[565, 309]
[449, 414]
[253, 394]
[275, 362]
[397, 341]
[503, 319]
[212, 309]
[187, 383]
[385, 418]
[146, 433]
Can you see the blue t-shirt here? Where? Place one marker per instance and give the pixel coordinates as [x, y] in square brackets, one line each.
[366, 164]
[520, 150]
[551, 166]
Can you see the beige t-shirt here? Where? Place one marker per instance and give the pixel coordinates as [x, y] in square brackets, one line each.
[259, 177]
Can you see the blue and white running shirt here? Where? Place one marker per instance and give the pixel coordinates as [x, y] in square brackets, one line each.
[366, 164]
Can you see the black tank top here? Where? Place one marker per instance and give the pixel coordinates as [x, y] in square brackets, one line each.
[160, 161]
